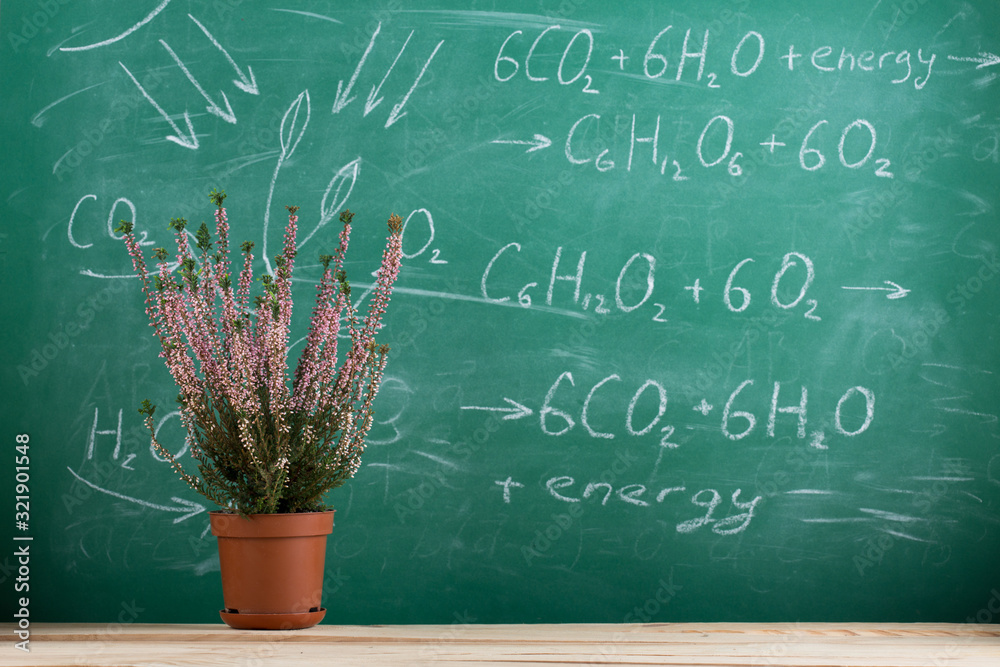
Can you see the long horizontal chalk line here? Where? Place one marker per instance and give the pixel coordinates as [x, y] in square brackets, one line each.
[475, 18]
[433, 294]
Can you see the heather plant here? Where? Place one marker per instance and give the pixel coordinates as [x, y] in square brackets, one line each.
[264, 440]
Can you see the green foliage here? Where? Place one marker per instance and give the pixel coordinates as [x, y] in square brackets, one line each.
[204, 238]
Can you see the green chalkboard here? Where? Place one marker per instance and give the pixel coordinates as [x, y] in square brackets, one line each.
[698, 319]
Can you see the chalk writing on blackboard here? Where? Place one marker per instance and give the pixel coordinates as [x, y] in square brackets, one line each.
[566, 489]
[855, 147]
[734, 423]
[749, 55]
[639, 270]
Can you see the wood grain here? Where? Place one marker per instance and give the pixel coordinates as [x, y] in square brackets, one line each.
[712, 644]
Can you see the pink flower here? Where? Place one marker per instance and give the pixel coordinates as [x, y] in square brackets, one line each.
[263, 440]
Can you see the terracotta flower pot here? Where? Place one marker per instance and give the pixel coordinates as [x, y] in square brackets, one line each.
[272, 568]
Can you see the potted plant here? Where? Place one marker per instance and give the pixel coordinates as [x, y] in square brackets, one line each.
[268, 443]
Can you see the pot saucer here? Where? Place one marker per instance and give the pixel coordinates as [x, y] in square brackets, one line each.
[296, 621]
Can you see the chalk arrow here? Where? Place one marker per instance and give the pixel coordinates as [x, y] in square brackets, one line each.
[186, 142]
[397, 111]
[342, 99]
[212, 107]
[186, 507]
[372, 102]
[247, 82]
[984, 59]
[537, 143]
[516, 411]
[894, 290]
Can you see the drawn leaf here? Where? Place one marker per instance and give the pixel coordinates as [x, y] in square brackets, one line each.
[345, 176]
[289, 127]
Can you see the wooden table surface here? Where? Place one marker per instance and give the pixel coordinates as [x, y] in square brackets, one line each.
[719, 644]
